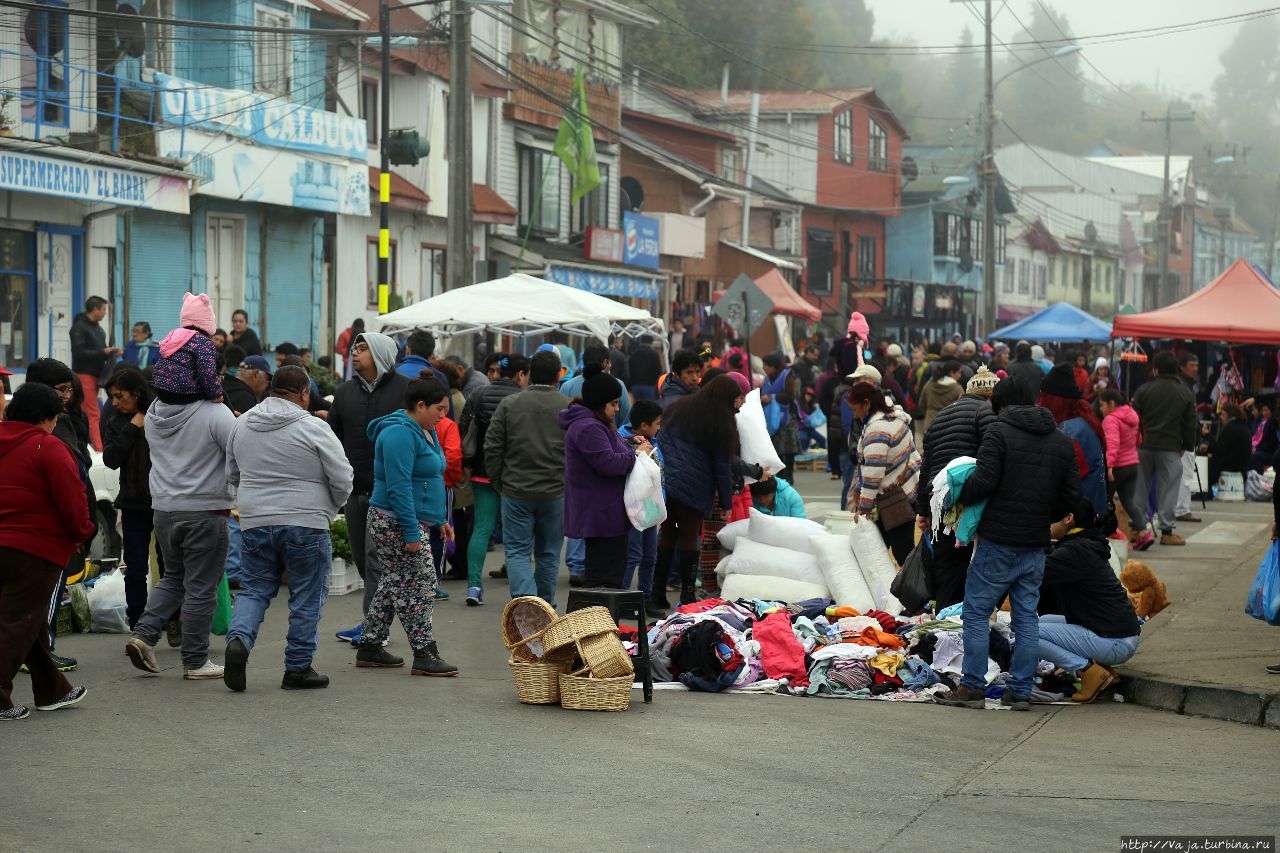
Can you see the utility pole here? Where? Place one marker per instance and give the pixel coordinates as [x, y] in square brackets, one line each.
[1165, 218]
[752, 128]
[1271, 243]
[459, 260]
[990, 309]
[384, 168]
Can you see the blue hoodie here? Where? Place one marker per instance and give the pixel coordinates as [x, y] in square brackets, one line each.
[408, 472]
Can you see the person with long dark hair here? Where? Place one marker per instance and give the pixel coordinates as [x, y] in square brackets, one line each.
[699, 439]
[887, 462]
[1061, 395]
[124, 449]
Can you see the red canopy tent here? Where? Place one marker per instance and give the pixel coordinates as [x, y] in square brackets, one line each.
[1240, 307]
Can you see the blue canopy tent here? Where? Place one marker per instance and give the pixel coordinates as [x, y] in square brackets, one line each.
[1059, 322]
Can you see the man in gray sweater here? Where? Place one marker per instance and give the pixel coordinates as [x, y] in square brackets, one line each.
[293, 476]
[524, 454]
[190, 499]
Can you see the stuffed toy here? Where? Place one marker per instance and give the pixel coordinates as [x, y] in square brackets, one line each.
[1146, 591]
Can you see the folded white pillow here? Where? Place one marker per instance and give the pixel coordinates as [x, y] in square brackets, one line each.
[755, 445]
[841, 572]
[730, 533]
[770, 588]
[756, 558]
[783, 532]
[877, 569]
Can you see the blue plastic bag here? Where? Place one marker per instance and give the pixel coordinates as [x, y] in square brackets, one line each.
[1264, 596]
[816, 419]
[773, 415]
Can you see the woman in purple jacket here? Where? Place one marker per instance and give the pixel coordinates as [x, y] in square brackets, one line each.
[596, 464]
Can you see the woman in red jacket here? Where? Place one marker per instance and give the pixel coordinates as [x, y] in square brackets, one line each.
[44, 517]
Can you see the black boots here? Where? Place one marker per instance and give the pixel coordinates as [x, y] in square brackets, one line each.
[427, 661]
[658, 597]
[688, 572]
[376, 656]
[307, 679]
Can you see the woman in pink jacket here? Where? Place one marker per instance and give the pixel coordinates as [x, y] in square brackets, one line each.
[1120, 429]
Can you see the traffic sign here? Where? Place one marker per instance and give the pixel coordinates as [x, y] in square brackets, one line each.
[744, 305]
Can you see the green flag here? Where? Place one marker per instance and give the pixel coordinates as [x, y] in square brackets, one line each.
[574, 144]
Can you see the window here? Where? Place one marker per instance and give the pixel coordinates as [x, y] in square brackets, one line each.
[819, 248]
[1053, 264]
[44, 66]
[159, 48]
[877, 147]
[941, 228]
[866, 261]
[372, 289]
[952, 234]
[1000, 238]
[593, 208]
[369, 110]
[432, 283]
[846, 256]
[540, 173]
[1108, 283]
[844, 136]
[273, 54]
[1042, 276]
[729, 164]
[16, 309]
[1008, 278]
[976, 226]
[1024, 276]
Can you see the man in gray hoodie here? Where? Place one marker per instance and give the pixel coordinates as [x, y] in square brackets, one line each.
[190, 499]
[293, 477]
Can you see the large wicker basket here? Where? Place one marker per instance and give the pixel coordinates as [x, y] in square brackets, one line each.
[579, 691]
[578, 625]
[525, 621]
[537, 682]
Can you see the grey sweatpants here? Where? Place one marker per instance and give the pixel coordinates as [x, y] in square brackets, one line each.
[194, 547]
[1165, 466]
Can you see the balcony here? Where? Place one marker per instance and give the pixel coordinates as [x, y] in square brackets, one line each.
[528, 103]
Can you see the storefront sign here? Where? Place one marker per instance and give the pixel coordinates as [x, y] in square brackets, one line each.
[605, 283]
[917, 300]
[603, 245]
[91, 182]
[252, 173]
[943, 303]
[643, 239]
[264, 118]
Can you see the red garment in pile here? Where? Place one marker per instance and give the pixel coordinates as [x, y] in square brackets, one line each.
[780, 651]
[887, 622]
[701, 606]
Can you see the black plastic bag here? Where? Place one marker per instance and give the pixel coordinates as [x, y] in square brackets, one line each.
[911, 586]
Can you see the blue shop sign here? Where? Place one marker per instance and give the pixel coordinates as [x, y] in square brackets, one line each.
[640, 248]
[605, 283]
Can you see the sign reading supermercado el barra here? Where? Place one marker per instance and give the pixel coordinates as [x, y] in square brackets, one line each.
[266, 119]
[93, 183]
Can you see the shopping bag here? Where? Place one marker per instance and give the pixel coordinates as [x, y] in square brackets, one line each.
[1264, 596]
[773, 415]
[106, 605]
[911, 586]
[642, 495]
[756, 448]
[81, 614]
[222, 610]
[816, 419]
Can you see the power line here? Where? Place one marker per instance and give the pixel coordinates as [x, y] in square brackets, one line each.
[1048, 14]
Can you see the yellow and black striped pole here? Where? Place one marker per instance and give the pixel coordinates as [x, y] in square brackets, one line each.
[384, 172]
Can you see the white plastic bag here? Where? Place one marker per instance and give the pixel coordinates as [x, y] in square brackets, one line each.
[106, 605]
[643, 494]
[753, 436]
[877, 569]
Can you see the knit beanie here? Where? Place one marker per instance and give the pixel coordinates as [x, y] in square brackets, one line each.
[598, 388]
[858, 326]
[743, 385]
[982, 383]
[197, 313]
[1037, 353]
[1061, 382]
[894, 351]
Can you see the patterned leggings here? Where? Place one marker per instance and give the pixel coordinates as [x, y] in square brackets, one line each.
[407, 586]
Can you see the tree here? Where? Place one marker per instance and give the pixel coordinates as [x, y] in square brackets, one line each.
[1045, 104]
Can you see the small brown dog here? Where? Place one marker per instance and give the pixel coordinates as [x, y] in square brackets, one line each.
[1146, 591]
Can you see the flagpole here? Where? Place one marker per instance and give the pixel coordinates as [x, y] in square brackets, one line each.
[533, 216]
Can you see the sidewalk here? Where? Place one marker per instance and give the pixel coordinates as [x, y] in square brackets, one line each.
[1203, 655]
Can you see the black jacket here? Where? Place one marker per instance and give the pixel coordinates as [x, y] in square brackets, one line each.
[480, 407]
[956, 431]
[353, 407]
[644, 366]
[249, 342]
[1080, 585]
[124, 448]
[1027, 471]
[1168, 414]
[1029, 372]
[692, 475]
[1232, 448]
[238, 396]
[88, 341]
[618, 365]
[672, 389]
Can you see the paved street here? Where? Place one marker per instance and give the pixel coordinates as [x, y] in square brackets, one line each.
[381, 760]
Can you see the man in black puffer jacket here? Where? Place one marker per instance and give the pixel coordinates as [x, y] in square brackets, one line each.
[957, 431]
[1027, 473]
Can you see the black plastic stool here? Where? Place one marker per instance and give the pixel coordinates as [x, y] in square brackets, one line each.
[621, 604]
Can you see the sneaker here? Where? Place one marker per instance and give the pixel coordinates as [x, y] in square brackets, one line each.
[961, 697]
[1142, 540]
[1093, 680]
[427, 661]
[234, 661]
[76, 694]
[351, 635]
[1010, 701]
[1273, 668]
[375, 657]
[1171, 538]
[475, 596]
[499, 573]
[307, 679]
[173, 634]
[64, 664]
[19, 712]
[441, 595]
[207, 670]
[142, 655]
[1190, 518]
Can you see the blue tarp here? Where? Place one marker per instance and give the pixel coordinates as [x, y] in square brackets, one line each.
[1059, 322]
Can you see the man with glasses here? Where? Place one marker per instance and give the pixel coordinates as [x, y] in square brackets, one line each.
[89, 354]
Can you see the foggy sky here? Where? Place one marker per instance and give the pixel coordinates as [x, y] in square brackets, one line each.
[1185, 63]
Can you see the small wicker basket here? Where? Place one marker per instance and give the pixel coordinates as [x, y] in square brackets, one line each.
[537, 682]
[581, 692]
[525, 621]
[578, 625]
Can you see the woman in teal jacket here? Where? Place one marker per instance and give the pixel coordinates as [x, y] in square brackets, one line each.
[406, 511]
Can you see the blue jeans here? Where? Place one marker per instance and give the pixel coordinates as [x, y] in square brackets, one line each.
[1073, 646]
[234, 548]
[810, 436]
[306, 554]
[533, 531]
[575, 557]
[642, 552]
[996, 571]
[849, 469]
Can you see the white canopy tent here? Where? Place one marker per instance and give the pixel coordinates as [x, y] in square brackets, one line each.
[523, 306]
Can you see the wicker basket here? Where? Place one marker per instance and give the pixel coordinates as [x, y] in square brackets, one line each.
[537, 682]
[578, 625]
[580, 692]
[605, 656]
[524, 622]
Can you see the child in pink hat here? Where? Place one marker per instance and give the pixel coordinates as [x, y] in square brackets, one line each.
[188, 367]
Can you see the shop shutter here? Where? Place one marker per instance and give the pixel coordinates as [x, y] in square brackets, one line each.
[159, 269]
[292, 270]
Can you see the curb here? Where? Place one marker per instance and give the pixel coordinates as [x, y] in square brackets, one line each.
[1251, 707]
